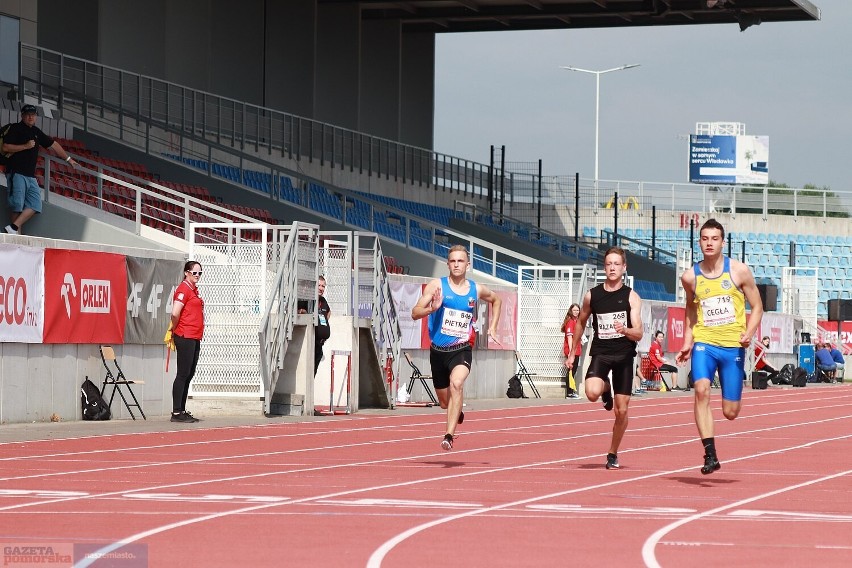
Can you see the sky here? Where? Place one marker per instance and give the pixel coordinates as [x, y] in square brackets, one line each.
[790, 81]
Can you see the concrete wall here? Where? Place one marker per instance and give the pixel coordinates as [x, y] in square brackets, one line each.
[313, 59]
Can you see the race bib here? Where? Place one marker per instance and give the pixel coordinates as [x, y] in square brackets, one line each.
[456, 323]
[322, 320]
[718, 310]
[606, 324]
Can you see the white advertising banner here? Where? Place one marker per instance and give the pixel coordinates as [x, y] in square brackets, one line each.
[779, 328]
[405, 295]
[21, 294]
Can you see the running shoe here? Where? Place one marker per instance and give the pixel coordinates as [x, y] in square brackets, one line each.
[612, 461]
[573, 395]
[461, 417]
[606, 397]
[711, 464]
[447, 442]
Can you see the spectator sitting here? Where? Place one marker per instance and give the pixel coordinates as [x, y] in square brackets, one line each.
[825, 362]
[655, 354]
[837, 356]
[760, 364]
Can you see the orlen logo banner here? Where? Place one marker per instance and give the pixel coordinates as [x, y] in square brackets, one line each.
[21, 294]
[85, 296]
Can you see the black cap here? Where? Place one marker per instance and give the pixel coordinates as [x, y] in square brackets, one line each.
[29, 109]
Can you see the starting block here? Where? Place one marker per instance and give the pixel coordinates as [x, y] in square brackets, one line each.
[332, 410]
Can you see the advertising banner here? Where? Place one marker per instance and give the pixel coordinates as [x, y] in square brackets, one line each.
[729, 159]
[151, 285]
[21, 294]
[508, 321]
[674, 337]
[654, 317]
[779, 328]
[405, 295]
[828, 332]
[84, 296]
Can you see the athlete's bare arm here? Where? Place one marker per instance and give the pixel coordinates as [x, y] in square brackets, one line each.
[744, 280]
[687, 280]
[487, 295]
[635, 331]
[585, 312]
[429, 302]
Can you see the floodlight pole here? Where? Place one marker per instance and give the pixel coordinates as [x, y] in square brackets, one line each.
[597, 75]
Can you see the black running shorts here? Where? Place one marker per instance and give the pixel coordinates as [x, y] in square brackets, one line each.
[443, 363]
[622, 371]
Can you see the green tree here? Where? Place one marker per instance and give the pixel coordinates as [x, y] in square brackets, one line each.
[811, 200]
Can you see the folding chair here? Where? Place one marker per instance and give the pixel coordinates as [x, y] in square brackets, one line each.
[523, 373]
[117, 380]
[415, 376]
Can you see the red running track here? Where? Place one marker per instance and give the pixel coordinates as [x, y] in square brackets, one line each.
[522, 487]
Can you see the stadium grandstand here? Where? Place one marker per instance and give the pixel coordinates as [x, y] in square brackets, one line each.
[271, 200]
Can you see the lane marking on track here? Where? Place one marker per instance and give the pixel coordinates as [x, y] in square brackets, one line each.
[649, 548]
[567, 410]
[378, 555]
[149, 464]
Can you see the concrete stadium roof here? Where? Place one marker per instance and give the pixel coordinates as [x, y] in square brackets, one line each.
[447, 16]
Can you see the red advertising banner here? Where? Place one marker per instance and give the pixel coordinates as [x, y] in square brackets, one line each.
[675, 327]
[828, 332]
[85, 299]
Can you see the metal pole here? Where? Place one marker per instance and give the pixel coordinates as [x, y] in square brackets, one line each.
[653, 232]
[615, 221]
[539, 195]
[597, 123]
[577, 206]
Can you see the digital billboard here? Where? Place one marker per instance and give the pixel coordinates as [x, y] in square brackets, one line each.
[726, 159]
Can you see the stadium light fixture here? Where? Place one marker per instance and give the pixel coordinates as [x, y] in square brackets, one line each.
[597, 75]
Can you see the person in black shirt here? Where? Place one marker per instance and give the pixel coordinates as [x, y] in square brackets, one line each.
[21, 144]
[617, 323]
[323, 330]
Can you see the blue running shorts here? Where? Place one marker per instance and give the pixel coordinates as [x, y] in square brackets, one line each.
[729, 361]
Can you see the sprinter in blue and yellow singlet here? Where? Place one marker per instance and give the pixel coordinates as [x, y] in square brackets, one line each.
[716, 335]
[450, 304]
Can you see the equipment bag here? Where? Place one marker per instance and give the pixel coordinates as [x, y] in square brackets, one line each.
[94, 406]
[515, 390]
[785, 375]
[759, 380]
[800, 377]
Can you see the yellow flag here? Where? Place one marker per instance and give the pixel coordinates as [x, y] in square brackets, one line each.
[571, 384]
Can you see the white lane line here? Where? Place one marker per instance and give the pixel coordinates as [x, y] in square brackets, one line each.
[649, 548]
[566, 410]
[148, 464]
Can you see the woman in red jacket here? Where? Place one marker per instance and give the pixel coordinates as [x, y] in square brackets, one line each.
[568, 325]
[187, 331]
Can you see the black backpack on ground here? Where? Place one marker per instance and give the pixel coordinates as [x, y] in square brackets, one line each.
[515, 390]
[759, 380]
[94, 406]
[785, 375]
[800, 377]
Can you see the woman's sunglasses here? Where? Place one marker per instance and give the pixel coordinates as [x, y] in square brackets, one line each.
[199, 273]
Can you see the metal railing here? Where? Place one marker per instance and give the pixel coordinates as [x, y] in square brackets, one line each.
[372, 282]
[276, 326]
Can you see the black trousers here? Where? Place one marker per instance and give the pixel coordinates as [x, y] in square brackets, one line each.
[187, 351]
[318, 354]
[573, 370]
